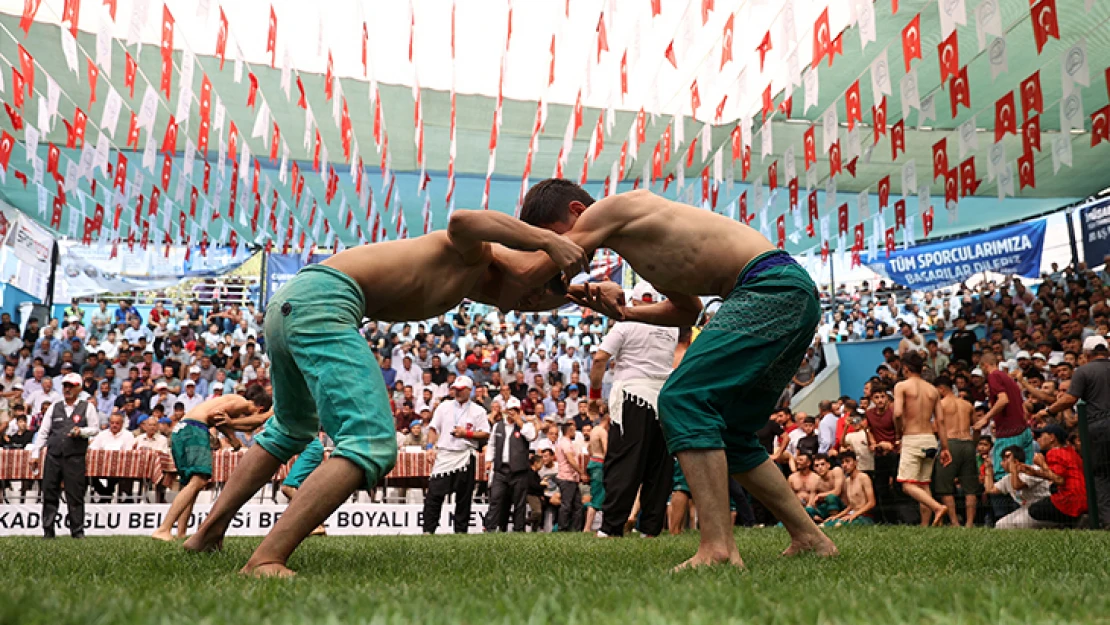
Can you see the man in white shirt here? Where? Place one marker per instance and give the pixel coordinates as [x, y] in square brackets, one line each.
[567, 361]
[115, 438]
[46, 393]
[190, 397]
[11, 343]
[163, 398]
[33, 384]
[410, 374]
[637, 455]
[826, 428]
[507, 456]
[151, 438]
[456, 429]
[65, 432]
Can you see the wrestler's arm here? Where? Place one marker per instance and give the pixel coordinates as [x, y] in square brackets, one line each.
[468, 229]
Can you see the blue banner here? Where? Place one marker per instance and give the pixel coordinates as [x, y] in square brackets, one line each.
[1094, 221]
[280, 268]
[1011, 250]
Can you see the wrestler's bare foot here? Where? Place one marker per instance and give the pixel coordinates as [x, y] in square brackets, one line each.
[818, 544]
[268, 569]
[201, 544]
[708, 558]
[938, 516]
[163, 536]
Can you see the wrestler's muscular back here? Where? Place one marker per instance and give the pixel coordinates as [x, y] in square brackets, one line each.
[920, 398]
[957, 417]
[680, 248]
[411, 278]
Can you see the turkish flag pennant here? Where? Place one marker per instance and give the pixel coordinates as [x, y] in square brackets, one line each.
[1100, 126]
[52, 155]
[768, 105]
[787, 106]
[940, 158]
[968, 182]
[656, 164]
[952, 186]
[329, 78]
[690, 152]
[71, 138]
[773, 176]
[721, 108]
[167, 38]
[22, 177]
[624, 73]
[834, 159]
[599, 136]
[551, 67]
[836, 47]
[71, 12]
[133, 132]
[852, 103]
[850, 166]
[1027, 173]
[911, 41]
[857, 244]
[763, 47]
[275, 140]
[1005, 116]
[737, 143]
[366, 43]
[316, 152]
[207, 176]
[746, 162]
[167, 77]
[17, 90]
[1031, 134]
[705, 184]
[959, 90]
[743, 202]
[111, 4]
[253, 89]
[233, 197]
[232, 141]
[666, 181]
[726, 42]
[878, 119]
[271, 39]
[169, 140]
[93, 73]
[927, 221]
[811, 201]
[695, 99]
[667, 144]
[809, 147]
[1044, 23]
[1031, 97]
[641, 127]
[129, 70]
[656, 7]
[79, 121]
[884, 192]
[821, 37]
[780, 227]
[301, 102]
[30, 8]
[897, 139]
[167, 172]
[56, 215]
[6, 143]
[221, 39]
[792, 186]
[121, 171]
[669, 54]
[900, 214]
[948, 55]
[27, 69]
[193, 202]
[889, 240]
[842, 219]
[602, 38]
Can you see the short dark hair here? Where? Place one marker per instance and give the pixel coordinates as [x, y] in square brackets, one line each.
[942, 380]
[847, 453]
[548, 201]
[913, 361]
[1017, 452]
[258, 396]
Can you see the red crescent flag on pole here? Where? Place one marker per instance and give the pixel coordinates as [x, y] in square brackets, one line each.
[271, 38]
[911, 41]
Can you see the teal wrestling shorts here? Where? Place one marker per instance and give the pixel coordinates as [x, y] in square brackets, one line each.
[731, 377]
[324, 375]
[191, 448]
[306, 463]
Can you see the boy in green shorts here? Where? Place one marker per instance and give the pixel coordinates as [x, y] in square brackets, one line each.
[192, 450]
[326, 378]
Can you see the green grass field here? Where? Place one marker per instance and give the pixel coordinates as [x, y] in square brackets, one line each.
[884, 575]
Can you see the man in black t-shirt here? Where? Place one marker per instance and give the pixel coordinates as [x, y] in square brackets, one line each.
[962, 341]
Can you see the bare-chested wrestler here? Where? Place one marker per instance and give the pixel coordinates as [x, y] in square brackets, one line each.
[731, 377]
[860, 493]
[830, 489]
[916, 404]
[325, 377]
[804, 481]
[957, 417]
[597, 447]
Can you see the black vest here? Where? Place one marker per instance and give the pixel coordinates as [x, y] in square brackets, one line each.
[518, 449]
[60, 443]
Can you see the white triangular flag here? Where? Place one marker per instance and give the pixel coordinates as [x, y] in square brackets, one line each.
[996, 158]
[766, 140]
[69, 47]
[1071, 112]
[789, 162]
[880, 77]
[1061, 152]
[810, 80]
[865, 21]
[863, 205]
[952, 12]
[110, 117]
[830, 191]
[793, 71]
[969, 138]
[104, 44]
[997, 55]
[830, 127]
[909, 178]
[988, 21]
[1006, 181]
[1074, 65]
[927, 109]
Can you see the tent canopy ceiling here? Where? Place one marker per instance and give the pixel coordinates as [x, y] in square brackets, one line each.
[306, 33]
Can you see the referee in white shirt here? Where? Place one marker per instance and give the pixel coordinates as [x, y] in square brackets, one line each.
[457, 427]
[65, 434]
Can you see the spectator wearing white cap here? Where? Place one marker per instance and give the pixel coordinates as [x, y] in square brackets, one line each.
[456, 429]
[216, 390]
[194, 374]
[190, 397]
[1091, 383]
[163, 397]
[46, 393]
[508, 453]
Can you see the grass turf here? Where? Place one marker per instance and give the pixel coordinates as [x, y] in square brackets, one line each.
[888, 575]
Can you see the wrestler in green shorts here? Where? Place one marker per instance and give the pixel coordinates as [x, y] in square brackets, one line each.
[324, 375]
[192, 450]
[306, 463]
[596, 472]
[732, 376]
[680, 485]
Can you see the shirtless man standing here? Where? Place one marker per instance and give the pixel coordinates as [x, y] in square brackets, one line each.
[860, 493]
[957, 418]
[804, 481]
[325, 377]
[710, 408]
[915, 403]
[598, 446]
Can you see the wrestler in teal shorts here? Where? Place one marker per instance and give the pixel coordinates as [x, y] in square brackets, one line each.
[596, 471]
[680, 485]
[732, 376]
[191, 449]
[324, 375]
[306, 463]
